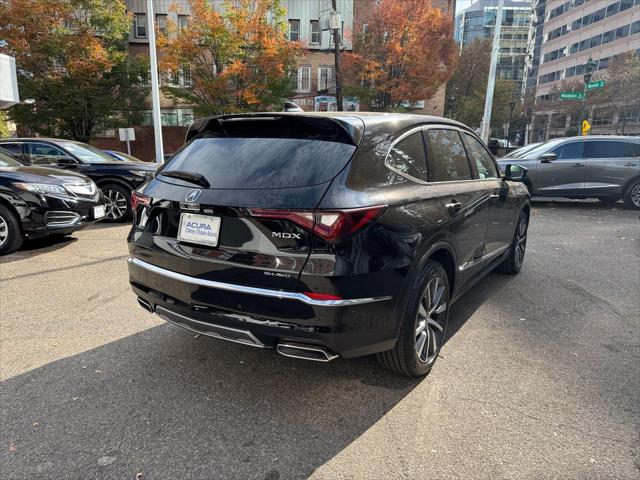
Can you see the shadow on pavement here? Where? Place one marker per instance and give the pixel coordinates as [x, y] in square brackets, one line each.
[33, 248]
[567, 203]
[171, 406]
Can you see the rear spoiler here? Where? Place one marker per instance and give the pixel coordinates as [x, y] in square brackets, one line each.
[342, 129]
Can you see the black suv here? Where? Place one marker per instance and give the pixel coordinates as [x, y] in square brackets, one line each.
[325, 235]
[38, 201]
[115, 178]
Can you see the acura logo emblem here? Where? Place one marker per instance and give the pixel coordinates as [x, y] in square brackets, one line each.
[193, 195]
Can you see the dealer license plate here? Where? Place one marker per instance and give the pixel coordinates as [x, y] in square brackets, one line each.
[201, 229]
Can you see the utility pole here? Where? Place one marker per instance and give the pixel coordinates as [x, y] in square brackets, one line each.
[155, 88]
[335, 21]
[495, 50]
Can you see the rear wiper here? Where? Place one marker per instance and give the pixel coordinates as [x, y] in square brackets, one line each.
[190, 177]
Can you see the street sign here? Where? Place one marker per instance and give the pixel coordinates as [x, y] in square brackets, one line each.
[127, 135]
[596, 84]
[571, 95]
[586, 126]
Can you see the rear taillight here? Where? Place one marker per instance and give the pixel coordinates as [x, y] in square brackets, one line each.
[331, 225]
[137, 199]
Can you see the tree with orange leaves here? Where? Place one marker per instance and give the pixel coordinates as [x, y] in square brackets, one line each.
[71, 57]
[237, 56]
[405, 55]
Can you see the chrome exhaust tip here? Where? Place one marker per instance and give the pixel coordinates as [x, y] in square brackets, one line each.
[305, 351]
[146, 305]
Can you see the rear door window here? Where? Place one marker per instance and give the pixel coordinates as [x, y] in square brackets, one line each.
[407, 157]
[447, 159]
[15, 149]
[604, 149]
[478, 154]
[261, 163]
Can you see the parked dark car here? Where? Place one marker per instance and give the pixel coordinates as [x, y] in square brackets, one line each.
[602, 167]
[38, 201]
[115, 178]
[121, 156]
[325, 235]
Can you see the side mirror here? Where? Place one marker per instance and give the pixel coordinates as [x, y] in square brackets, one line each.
[66, 161]
[548, 157]
[515, 173]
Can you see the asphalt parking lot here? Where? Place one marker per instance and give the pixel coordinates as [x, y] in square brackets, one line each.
[539, 377]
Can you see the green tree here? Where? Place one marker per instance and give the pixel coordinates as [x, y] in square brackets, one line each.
[237, 57]
[4, 129]
[71, 57]
[468, 87]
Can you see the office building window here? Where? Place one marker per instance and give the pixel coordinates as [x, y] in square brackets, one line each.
[294, 30]
[315, 32]
[161, 23]
[326, 78]
[140, 25]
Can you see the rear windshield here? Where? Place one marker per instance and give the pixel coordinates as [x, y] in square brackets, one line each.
[260, 163]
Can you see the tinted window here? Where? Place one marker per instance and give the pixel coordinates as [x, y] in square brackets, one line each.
[568, 151]
[447, 158]
[484, 163]
[407, 156]
[12, 148]
[605, 149]
[632, 149]
[7, 161]
[44, 154]
[257, 163]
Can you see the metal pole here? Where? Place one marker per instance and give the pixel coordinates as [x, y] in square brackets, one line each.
[155, 89]
[495, 50]
[336, 41]
[128, 146]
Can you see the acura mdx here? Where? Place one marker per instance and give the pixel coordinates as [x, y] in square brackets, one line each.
[325, 235]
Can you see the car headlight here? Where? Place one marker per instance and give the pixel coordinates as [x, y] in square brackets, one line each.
[143, 173]
[43, 188]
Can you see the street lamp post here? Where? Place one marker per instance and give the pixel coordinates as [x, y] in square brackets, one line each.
[512, 105]
[450, 101]
[589, 68]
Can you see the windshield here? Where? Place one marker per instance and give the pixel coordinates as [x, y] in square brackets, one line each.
[127, 157]
[86, 153]
[541, 148]
[7, 161]
[519, 152]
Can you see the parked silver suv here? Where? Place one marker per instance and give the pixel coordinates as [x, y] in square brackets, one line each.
[602, 167]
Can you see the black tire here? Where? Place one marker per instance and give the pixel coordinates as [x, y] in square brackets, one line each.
[632, 195]
[10, 234]
[513, 263]
[406, 357]
[118, 207]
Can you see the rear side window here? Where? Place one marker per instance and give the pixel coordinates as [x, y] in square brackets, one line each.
[261, 163]
[447, 157]
[407, 157]
[632, 149]
[478, 154]
[14, 149]
[605, 149]
[569, 151]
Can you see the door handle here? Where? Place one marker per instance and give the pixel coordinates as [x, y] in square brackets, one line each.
[630, 164]
[494, 195]
[578, 165]
[453, 207]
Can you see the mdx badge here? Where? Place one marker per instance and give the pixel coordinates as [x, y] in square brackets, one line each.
[286, 235]
[192, 196]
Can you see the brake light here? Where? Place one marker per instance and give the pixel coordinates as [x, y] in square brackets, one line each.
[138, 198]
[331, 225]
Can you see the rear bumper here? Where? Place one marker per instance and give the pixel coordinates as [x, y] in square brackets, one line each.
[347, 327]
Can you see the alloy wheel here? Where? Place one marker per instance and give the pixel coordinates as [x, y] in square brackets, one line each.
[635, 195]
[521, 241]
[116, 204]
[430, 324]
[4, 231]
